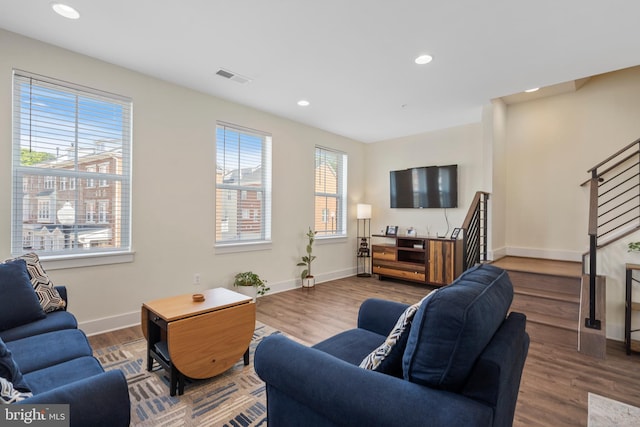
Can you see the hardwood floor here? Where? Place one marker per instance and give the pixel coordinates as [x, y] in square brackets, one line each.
[555, 383]
[541, 266]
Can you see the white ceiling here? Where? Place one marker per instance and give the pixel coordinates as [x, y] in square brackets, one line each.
[352, 59]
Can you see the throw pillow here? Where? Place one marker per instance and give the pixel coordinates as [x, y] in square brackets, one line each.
[49, 298]
[387, 358]
[21, 304]
[9, 369]
[8, 394]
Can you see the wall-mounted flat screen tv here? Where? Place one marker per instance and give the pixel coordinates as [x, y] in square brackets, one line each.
[425, 187]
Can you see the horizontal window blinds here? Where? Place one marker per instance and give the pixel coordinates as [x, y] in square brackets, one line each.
[71, 168]
[330, 192]
[243, 185]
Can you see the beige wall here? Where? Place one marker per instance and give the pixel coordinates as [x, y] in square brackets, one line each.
[173, 183]
[531, 156]
[462, 145]
[495, 147]
[551, 143]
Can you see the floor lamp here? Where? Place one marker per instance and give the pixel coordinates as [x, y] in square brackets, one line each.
[363, 213]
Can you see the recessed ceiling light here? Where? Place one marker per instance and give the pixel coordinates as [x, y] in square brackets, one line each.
[65, 10]
[535, 89]
[304, 103]
[423, 59]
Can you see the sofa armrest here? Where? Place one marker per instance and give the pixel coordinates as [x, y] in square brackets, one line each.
[305, 384]
[100, 400]
[62, 290]
[380, 316]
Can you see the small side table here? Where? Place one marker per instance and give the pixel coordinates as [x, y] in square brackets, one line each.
[198, 339]
[629, 308]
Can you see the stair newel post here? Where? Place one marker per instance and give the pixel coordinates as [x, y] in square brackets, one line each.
[591, 321]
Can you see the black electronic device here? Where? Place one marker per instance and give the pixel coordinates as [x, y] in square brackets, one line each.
[424, 187]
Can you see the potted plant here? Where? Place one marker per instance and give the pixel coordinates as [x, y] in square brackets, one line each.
[308, 280]
[250, 284]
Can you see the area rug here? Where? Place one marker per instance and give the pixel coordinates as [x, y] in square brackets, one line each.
[234, 398]
[605, 412]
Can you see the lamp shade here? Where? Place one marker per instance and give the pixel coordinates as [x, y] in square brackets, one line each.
[363, 211]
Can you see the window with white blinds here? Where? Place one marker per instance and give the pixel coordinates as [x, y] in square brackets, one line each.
[243, 185]
[330, 193]
[71, 168]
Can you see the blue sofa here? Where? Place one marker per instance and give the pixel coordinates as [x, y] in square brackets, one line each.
[458, 362]
[48, 360]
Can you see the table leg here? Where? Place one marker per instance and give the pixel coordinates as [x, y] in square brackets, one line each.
[180, 384]
[246, 357]
[173, 381]
[152, 338]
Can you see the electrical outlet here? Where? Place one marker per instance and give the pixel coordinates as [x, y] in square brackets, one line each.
[196, 279]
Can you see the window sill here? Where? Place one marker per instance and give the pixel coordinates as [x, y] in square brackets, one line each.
[331, 239]
[230, 248]
[59, 262]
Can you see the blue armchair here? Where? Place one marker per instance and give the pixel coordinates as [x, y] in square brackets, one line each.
[460, 363]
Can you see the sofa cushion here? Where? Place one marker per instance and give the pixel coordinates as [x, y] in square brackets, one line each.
[52, 348]
[387, 358]
[50, 299]
[8, 393]
[55, 321]
[9, 369]
[20, 301]
[352, 345]
[62, 374]
[450, 330]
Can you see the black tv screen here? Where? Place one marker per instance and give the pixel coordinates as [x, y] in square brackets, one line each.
[424, 187]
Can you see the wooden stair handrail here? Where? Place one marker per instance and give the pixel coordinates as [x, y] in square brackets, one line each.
[472, 208]
[613, 156]
[612, 167]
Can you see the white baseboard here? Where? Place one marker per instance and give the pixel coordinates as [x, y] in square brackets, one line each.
[125, 320]
[496, 254]
[111, 323]
[324, 277]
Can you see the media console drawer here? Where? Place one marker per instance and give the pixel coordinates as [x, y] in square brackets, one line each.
[400, 274]
[425, 260]
[384, 252]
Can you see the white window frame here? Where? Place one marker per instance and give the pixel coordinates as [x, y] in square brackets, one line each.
[103, 211]
[224, 241]
[91, 182]
[49, 182]
[103, 168]
[73, 147]
[90, 212]
[338, 223]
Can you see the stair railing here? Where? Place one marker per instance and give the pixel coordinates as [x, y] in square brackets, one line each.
[475, 228]
[614, 209]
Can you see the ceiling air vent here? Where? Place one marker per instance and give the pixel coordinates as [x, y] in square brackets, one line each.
[233, 76]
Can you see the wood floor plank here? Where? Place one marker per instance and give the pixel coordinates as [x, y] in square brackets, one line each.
[555, 382]
[541, 266]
